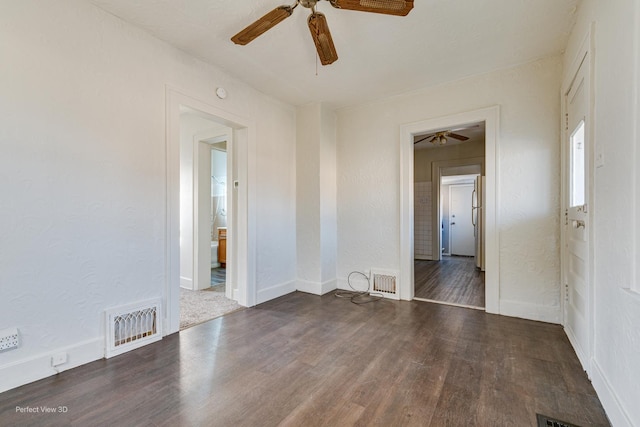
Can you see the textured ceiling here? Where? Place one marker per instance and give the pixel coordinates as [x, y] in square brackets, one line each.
[379, 55]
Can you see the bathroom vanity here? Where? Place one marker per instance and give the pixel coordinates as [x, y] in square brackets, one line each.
[222, 246]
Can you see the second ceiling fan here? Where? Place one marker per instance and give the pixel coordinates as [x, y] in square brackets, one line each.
[318, 23]
[441, 136]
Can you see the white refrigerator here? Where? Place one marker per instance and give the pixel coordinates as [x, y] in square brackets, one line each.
[477, 216]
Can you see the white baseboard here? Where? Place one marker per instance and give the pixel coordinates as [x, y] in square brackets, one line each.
[343, 285]
[276, 291]
[35, 368]
[541, 313]
[609, 399]
[316, 288]
[576, 348]
[186, 283]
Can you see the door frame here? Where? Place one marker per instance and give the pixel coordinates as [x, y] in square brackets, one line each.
[490, 116]
[584, 55]
[244, 242]
[437, 172]
[210, 138]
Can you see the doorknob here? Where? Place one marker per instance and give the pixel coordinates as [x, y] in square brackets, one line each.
[453, 223]
[578, 223]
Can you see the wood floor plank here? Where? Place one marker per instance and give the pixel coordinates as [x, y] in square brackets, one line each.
[323, 361]
[454, 279]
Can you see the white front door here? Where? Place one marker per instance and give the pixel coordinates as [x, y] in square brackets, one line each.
[576, 259]
[461, 221]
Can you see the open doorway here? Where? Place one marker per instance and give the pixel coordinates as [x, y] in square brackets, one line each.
[241, 204]
[205, 169]
[218, 211]
[448, 222]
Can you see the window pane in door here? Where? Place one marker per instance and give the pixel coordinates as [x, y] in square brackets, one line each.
[578, 158]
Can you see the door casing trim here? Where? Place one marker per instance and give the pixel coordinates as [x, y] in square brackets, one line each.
[491, 117]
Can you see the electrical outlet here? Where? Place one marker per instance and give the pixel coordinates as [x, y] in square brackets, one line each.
[59, 359]
[9, 339]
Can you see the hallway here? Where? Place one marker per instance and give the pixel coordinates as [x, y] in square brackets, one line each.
[454, 280]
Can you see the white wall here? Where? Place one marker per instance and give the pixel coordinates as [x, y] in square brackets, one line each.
[316, 199]
[528, 179]
[328, 196]
[82, 162]
[615, 368]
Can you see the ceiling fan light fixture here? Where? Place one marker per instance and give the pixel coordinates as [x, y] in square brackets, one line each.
[442, 139]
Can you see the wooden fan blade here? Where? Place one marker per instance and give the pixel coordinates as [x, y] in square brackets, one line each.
[388, 7]
[322, 38]
[456, 136]
[263, 24]
[424, 138]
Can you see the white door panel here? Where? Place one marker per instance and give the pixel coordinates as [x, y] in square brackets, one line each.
[576, 170]
[461, 221]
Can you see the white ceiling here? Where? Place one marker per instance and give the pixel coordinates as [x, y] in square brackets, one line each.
[379, 55]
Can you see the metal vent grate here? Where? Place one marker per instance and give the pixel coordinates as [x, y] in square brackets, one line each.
[545, 421]
[385, 283]
[132, 326]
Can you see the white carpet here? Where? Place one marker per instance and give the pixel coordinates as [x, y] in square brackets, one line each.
[200, 306]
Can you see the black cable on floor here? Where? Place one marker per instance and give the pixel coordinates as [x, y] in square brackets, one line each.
[356, 296]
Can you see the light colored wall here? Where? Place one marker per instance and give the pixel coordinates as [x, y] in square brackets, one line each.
[615, 370]
[528, 179]
[423, 158]
[328, 195]
[82, 159]
[316, 198]
[423, 227]
[308, 194]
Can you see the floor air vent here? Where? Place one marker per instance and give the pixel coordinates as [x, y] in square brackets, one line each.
[385, 283]
[544, 421]
[132, 326]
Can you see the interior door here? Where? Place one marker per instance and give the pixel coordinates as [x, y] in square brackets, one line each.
[576, 170]
[461, 230]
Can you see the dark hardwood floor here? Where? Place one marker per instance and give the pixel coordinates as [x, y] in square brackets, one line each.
[453, 280]
[304, 360]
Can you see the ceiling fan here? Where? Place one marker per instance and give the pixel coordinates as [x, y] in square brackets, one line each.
[441, 137]
[318, 23]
